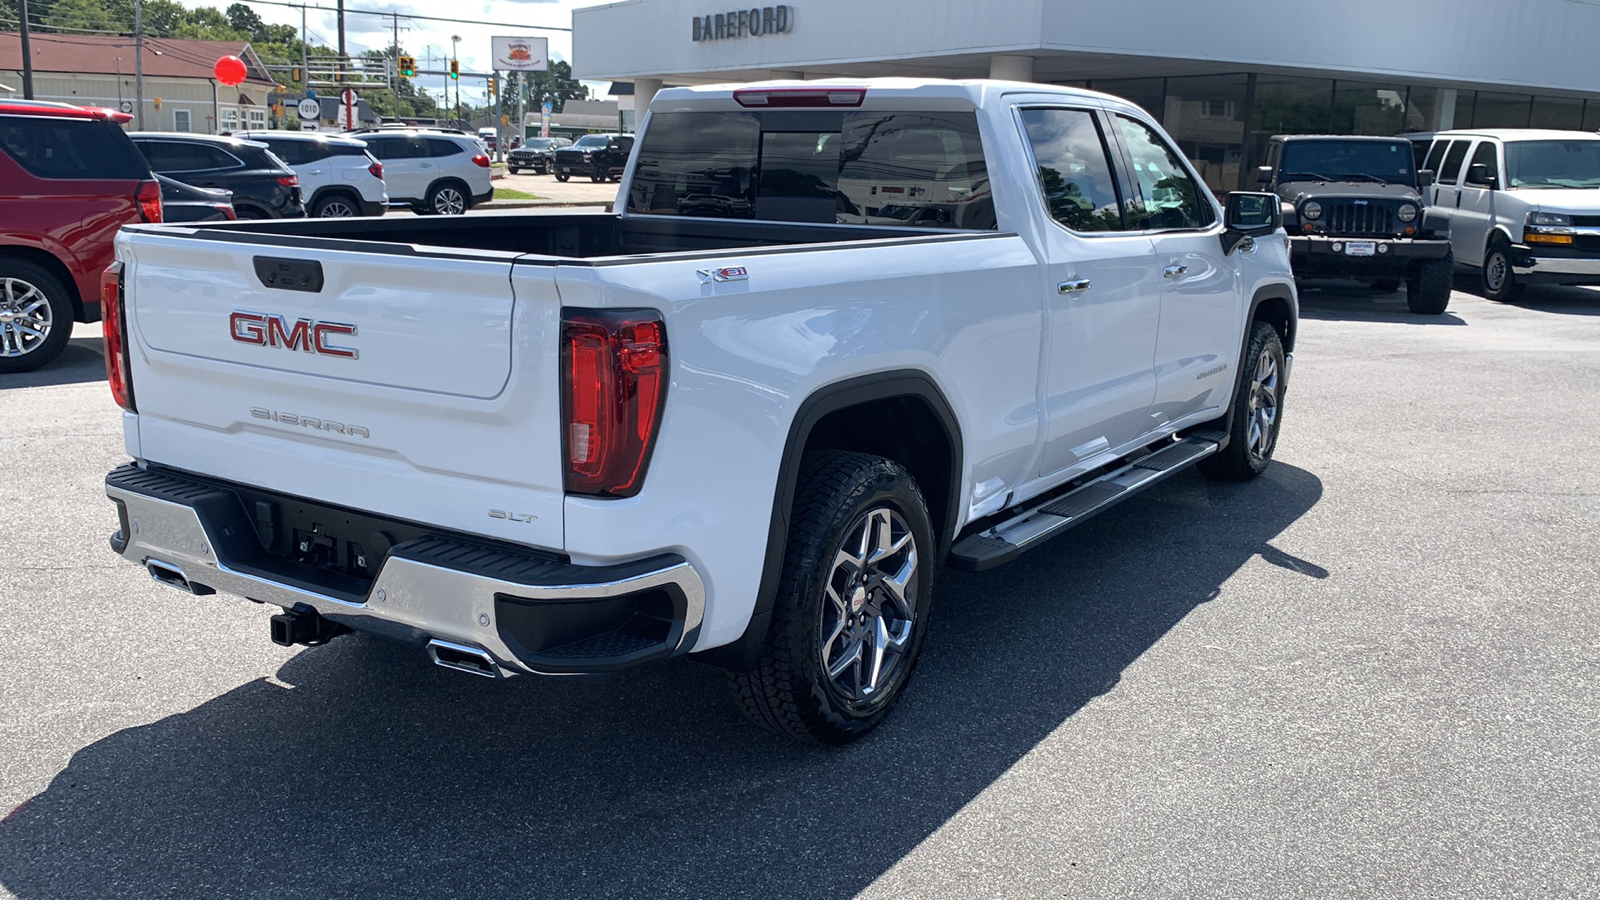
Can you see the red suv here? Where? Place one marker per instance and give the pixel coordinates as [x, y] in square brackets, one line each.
[69, 178]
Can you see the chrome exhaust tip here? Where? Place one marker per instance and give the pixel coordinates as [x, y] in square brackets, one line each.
[172, 576]
[463, 658]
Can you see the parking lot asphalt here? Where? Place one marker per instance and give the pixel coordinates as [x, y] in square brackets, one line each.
[1371, 673]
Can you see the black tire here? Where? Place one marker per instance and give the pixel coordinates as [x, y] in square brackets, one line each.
[448, 198]
[1385, 285]
[513, 170]
[599, 174]
[1497, 279]
[335, 205]
[1428, 291]
[841, 496]
[1246, 455]
[35, 316]
[562, 176]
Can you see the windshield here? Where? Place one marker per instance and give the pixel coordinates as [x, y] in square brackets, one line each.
[1548, 164]
[1347, 161]
[592, 140]
[537, 143]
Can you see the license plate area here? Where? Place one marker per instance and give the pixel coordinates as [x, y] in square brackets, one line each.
[1361, 248]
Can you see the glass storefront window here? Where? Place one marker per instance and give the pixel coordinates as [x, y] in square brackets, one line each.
[1148, 94]
[1287, 105]
[1205, 115]
[1591, 115]
[1465, 101]
[1557, 112]
[1496, 110]
[1362, 107]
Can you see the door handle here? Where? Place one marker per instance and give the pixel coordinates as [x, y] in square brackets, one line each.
[1175, 271]
[1073, 287]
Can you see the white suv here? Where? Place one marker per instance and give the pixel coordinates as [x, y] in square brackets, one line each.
[1521, 203]
[338, 177]
[431, 171]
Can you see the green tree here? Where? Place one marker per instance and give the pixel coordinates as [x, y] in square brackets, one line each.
[244, 19]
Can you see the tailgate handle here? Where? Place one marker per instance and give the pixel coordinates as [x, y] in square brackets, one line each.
[289, 274]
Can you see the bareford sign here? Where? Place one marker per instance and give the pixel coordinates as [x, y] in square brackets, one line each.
[758, 21]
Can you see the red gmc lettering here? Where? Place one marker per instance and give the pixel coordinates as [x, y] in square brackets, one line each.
[319, 339]
[307, 335]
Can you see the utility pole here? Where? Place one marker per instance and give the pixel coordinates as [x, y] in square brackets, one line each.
[341, 47]
[305, 62]
[138, 61]
[394, 75]
[27, 54]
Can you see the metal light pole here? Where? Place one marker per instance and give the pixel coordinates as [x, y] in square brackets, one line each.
[27, 53]
[455, 39]
[138, 62]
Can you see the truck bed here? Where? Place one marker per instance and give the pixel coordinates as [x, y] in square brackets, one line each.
[565, 238]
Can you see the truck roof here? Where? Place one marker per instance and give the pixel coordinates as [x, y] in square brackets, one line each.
[973, 91]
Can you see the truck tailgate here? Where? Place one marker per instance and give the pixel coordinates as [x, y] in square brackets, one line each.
[417, 386]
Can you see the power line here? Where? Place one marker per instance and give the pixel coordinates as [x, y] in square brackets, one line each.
[375, 12]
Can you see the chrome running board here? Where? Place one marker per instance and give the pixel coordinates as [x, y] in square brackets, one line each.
[1046, 517]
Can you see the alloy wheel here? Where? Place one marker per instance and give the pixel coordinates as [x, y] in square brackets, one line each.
[1263, 405]
[25, 317]
[449, 202]
[336, 209]
[870, 606]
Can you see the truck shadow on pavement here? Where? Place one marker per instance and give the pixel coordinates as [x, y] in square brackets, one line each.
[363, 771]
[80, 361]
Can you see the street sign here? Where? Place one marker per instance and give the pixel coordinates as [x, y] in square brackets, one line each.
[309, 108]
[126, 106]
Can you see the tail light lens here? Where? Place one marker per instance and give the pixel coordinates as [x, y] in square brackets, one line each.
[290, 181]
[115, 342]
[481, 160]
[800, 97]
[614, 385]
[149, 200]
[376, 169]
[227, 210]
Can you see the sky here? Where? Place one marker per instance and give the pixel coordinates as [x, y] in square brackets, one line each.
[422, 37]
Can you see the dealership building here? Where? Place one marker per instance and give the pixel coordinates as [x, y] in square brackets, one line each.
[1221, 78]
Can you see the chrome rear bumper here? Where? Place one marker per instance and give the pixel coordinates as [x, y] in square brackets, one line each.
[433, 588]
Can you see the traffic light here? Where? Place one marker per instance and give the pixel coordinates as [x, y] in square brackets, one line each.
[294, 73]
[408, 66]
[455, 69]
[491, 87]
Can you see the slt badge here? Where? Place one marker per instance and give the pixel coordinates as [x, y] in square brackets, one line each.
[726, 273]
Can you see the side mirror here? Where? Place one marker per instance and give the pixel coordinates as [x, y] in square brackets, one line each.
[1478, 174]
[1249, 215]
[1263, 175]
[1425, 178]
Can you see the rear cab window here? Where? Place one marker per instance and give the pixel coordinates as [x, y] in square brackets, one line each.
[870, 167]
[48, 147]
[1450, 168]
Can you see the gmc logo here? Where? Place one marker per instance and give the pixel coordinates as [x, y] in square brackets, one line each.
[272, 330]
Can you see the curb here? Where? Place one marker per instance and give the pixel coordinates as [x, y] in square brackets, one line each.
[541, 204]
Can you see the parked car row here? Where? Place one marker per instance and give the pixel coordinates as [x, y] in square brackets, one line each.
[600, 157]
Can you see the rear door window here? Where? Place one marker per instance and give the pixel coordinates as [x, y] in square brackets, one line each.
[70, 148]
[1435, 156]
[438, 147]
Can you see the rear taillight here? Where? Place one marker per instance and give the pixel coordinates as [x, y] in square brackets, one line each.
[149, 200]
[114, 323]
[799, 97]
[290, 181]
[227, 210]
[481, 160]
[376, 169]
[614, 384]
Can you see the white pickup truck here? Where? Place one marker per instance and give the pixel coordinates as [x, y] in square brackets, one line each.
[733, 419]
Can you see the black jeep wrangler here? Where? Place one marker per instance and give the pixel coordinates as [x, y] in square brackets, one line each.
[1353, 209]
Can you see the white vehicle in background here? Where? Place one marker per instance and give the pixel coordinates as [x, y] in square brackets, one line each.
[433, 172]
[718, 421]
[338, 177]
[1523, 205]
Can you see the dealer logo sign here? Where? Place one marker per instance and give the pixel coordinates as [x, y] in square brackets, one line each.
[757, 21]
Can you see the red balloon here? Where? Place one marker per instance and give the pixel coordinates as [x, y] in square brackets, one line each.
[230, 70]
